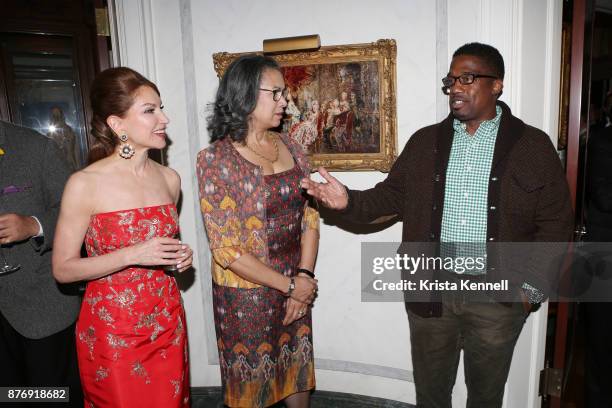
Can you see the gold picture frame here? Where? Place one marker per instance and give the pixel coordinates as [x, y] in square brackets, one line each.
[344, 103]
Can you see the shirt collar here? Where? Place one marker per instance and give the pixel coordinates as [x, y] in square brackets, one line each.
[487, 125]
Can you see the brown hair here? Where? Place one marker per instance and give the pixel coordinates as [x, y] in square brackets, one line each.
[112, 93]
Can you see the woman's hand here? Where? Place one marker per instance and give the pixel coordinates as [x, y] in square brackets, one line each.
[305, 289]
[294, 310]
[158, 251]
[186, 260]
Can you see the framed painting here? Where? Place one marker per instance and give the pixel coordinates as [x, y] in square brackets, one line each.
[341, 103]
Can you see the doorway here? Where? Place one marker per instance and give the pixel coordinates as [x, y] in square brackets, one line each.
[49, 54]
[585, 113]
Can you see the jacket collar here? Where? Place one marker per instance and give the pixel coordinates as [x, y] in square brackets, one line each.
[510, 131]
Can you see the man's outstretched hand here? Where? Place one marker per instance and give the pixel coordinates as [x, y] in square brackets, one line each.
[331, 194]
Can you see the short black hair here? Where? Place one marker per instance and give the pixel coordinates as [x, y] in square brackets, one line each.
[237, 97]
[489, 54]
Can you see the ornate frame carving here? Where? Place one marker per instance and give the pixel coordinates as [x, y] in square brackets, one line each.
[383, 53]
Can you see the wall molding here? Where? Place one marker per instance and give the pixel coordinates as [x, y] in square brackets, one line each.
[148, 40]
[193, 131]
[517, 58]
[373, 370]
[212, 396]
[552, 69]
[442, 56]
[114, 36]
[135, 38]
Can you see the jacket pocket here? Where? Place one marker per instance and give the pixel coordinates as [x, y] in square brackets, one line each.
[524, 195]
[528, 185]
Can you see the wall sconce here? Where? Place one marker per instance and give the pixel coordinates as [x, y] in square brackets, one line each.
[292, 44]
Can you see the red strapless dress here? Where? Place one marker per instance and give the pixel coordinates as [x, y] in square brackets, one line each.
[131, 338]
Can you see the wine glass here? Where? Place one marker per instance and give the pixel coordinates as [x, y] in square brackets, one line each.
[5, 267]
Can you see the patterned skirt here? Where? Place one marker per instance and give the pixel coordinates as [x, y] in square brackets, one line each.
[262, 361]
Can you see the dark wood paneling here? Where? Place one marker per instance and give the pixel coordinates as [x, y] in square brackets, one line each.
[71, 18]
[76, 11]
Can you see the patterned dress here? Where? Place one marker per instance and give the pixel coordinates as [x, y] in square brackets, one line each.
[262, 361]
[247, 212]
[131, 339]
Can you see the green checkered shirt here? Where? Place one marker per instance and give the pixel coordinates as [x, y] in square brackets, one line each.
[466, 196]
[464, 220]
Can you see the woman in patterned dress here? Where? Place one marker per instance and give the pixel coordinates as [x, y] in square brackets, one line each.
[264, 238]
[131, 338]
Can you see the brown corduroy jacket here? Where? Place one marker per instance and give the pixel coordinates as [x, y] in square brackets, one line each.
[528, 196]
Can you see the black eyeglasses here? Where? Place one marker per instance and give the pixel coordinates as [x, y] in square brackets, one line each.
[464, 79]
[277, 93]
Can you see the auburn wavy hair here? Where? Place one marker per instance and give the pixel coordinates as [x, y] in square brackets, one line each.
[112, 93]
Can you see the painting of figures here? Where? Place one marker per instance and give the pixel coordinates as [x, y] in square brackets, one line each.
[340, 103]
[333, 108]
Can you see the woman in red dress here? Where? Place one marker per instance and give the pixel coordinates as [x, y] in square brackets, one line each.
[131, 337]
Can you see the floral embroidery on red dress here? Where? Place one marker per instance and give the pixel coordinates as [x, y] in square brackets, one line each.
[131, 338]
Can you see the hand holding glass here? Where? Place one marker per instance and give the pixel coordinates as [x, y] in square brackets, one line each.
[172, 268]
[5, 267]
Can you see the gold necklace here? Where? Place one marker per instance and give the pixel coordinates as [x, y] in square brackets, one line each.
[261, 155]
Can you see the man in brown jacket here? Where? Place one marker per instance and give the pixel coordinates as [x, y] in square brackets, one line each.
[480, 176]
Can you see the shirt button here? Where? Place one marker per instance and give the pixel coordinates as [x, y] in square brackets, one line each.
[432, 236]
[437, 177]
[434, 207]
[468, 168]
[492, 208]
[493, 178]
[466, 195]
[491, 238]
[463, 222]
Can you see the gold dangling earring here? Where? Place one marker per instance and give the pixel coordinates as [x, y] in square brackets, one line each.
[126, 150]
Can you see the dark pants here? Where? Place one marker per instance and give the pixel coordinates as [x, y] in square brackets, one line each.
[47, 362]
[598, 355]
[487, 333]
